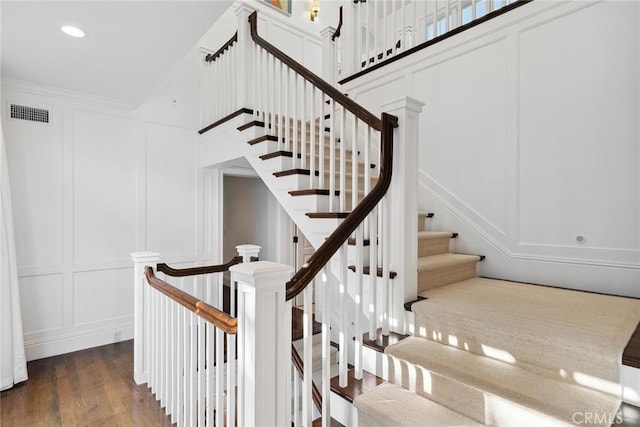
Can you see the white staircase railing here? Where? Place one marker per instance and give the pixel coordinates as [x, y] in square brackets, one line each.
[333, 155]
[186, 338]
[378, 30]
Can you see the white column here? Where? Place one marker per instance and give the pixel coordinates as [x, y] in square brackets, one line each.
[264, 343]
[248, 251]
[244, 46]
[329, 65]
[141, 314]
[403, 204]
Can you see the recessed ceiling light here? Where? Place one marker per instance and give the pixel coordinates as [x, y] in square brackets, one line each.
[72, 31]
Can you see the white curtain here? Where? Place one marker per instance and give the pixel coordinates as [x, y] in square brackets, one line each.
[13, 364]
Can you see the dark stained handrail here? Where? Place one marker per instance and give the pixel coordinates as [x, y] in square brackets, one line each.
[340, 235]
[385, 125]
[218, 318]
[336, 33]
[213, 56]
[360, 112]
[194, 271]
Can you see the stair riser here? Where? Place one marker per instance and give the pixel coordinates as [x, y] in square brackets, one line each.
[281, 163]
[429, 279]
[303, 182]
[320, 203]
[433, 246]
[423, 222]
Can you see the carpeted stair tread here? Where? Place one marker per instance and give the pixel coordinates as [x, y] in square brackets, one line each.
[553, 328]
[442, 269]
[391, 405]
[489, 390]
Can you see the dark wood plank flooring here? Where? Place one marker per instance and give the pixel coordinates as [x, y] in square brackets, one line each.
[90, 387]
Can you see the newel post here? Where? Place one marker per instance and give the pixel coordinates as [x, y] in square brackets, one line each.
[329, 56]
[141, 314]
[264, 340]
[244, 65]
[403, 202]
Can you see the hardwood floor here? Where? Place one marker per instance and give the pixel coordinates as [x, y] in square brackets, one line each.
[90, 387]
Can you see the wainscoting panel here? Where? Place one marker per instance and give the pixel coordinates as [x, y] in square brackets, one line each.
[102, 296]
[171, 190]
[105, 172]
[529, 139]
[42, 304]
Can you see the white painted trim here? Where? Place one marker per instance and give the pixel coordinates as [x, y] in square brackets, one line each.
[423, 184]
[66, 95]
[67, 343]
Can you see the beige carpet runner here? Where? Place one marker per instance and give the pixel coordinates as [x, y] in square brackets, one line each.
[506, 354]
[579, 336]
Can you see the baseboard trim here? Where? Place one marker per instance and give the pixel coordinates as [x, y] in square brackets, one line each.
[54, 346]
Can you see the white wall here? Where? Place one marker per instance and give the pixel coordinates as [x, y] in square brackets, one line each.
[296, 35]
[249, 216]
[529, 138]
[94, 185]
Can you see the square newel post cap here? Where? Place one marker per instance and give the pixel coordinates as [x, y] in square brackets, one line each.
[145, 256]
[261, 274]
[403, 103]
[248, 251]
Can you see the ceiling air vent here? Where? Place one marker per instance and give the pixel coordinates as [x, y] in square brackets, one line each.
[32, 114]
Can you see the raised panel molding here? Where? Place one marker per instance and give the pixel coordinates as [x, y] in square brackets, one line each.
[41, 298]
[102, 296]
[604, 257]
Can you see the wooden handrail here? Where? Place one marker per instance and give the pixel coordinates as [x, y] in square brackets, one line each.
[194, 271]
[213, 56]
[336, 33]
[360, 112]
[219, 319]
[340, 235]
[297, 362]
[385, 125]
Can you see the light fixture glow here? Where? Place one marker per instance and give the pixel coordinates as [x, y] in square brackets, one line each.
[72, 31]
[315, 9]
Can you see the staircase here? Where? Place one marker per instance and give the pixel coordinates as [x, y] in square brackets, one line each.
[482, 351]
[491, 352]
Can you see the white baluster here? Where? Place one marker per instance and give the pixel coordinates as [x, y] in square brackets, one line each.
[358, 300]
[219, 402]
[344, 295]
[343, 171]
[303, 123]
[326, 346]
[210, 360]
[180, 366]
[307, 356]
[312, 136]
[373, 279]
[354, 163]
[296, 119]
[332, 156]
[321, 149]
[201, 372]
